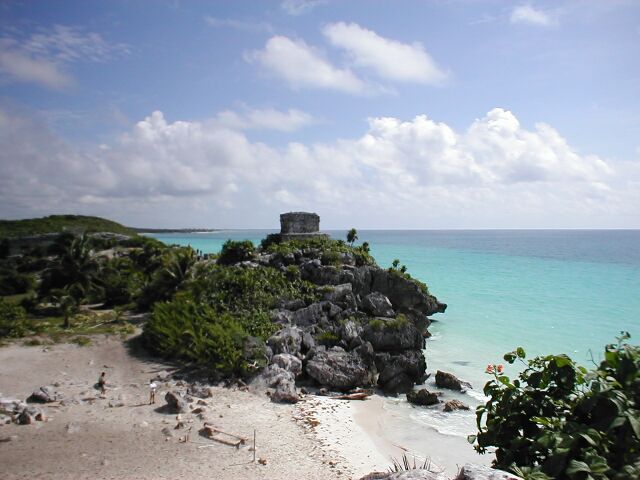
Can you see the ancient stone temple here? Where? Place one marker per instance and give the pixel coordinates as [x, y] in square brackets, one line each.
[300, 225]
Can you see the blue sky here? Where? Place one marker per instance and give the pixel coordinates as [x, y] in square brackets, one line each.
[404, 114]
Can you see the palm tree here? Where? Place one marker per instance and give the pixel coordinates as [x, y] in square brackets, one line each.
[67, 303]
[75, 271]
[352, 236]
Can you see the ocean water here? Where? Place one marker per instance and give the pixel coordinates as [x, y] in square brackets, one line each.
[549, 291]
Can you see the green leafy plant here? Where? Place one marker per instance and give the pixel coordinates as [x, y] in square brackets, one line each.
[12, 320]
[563, 421]
[196, 332]
[236, 251]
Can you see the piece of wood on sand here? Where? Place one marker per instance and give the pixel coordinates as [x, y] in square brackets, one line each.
[355, 395]
[214, 433]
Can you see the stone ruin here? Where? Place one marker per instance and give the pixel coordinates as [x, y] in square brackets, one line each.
[300, 225]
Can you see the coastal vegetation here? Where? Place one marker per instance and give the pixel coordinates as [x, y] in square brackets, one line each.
[559, 420]
[61, 223]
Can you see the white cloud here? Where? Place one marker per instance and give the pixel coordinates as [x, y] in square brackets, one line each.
[44, 56]
[390, 59]
[242, 25]
[418, 173]
[301, 65]
[531, 16]
[300, 7]
[265, 119]
[20, 66]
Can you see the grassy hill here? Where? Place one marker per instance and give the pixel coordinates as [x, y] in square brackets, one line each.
[60, 223]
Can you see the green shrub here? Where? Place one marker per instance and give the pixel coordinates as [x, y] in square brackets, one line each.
[236, 251]
[13, 282]
[236, 289]
[196, 332]
[398, 323]
[559, 420]
[271, 239]
[12, 320]
[331, 257]
[81, 341]
[328, 338]
[377, 324]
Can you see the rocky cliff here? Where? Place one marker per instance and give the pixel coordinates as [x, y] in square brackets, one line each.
[368, 328]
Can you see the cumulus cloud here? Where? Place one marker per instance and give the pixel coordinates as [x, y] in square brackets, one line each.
[389, 58]
[265, 119]
[531, 16]
[416, 173]
[43, 57]
[301, 65]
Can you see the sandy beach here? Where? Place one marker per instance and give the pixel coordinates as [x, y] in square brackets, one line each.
[88, 438]
[121, 436]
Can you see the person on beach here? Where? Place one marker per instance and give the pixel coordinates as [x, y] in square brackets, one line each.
[152, 391]
[102, 383]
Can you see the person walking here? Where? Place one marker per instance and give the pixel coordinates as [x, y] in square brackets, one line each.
[152, 391]
[102, 383]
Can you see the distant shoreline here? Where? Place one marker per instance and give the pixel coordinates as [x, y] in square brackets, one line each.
[174, 230]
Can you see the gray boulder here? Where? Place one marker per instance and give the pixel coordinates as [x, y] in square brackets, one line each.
[341, 370]
[308, 316]
[418, 474]
[350, 331]
[288, 362]
[337, 293]
[285, 393]
[175, 402]
[454, 404]
[387, 334]
[405, 295]
[378, 305]
[400, 371]
[422, 397]
[280, 379]
[479, 472]
[287, 340]
[450, 381]
[44, 394]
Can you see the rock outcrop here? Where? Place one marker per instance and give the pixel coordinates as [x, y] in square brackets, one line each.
[454, 404]
[479, 472]
[175, 402]
[366, 327]
[450, 381]
[422, 397]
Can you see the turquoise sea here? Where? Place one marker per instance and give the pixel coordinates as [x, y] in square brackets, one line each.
[549, 291]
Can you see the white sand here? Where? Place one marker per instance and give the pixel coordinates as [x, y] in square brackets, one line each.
[318, 438]
[93, 440]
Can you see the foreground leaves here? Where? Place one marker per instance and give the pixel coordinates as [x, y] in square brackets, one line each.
[559, 420]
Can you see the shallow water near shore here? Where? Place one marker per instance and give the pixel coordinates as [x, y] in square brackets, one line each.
[549, 291]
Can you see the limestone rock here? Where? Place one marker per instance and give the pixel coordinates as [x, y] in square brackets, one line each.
[422, 397]
[478, 472]
[450, 381]
[44, 394]
[454, 404]
[287, 340]
[285, 393]
[175, 402]
[418, 474]
[387, 334]
[288, 362]
[400, 371]
[378, 305]
[336, 368]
